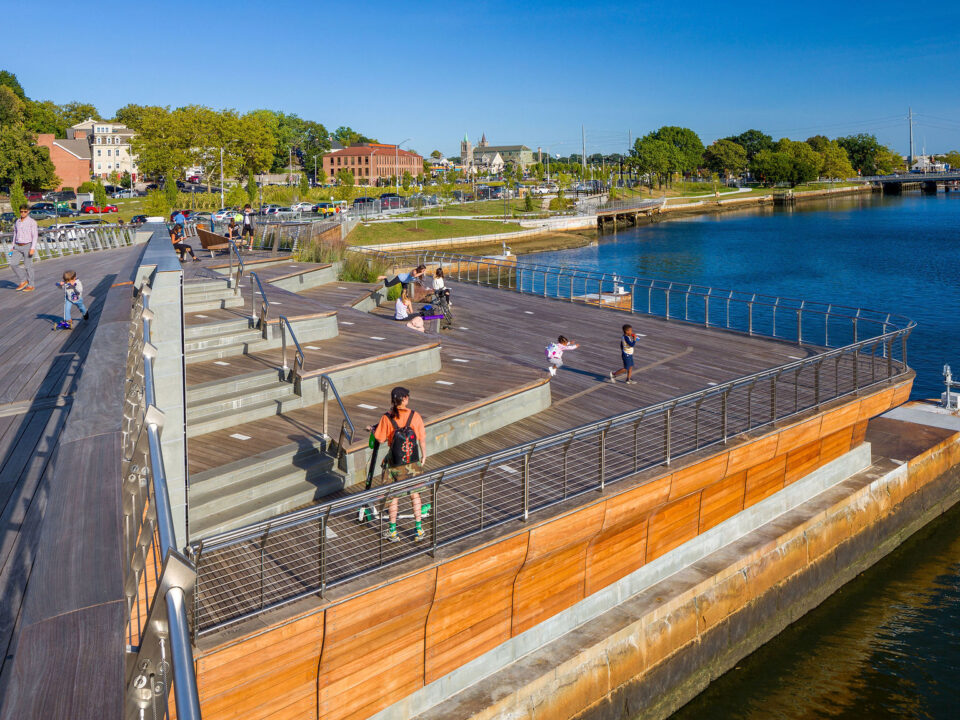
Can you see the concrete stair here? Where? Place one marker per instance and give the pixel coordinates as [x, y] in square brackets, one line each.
[227, 339]
[211, 295]
[259, 488]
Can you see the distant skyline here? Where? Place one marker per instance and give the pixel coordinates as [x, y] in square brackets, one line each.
[530, 73]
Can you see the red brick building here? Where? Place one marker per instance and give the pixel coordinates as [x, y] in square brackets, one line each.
[70, 158]
[371, 162]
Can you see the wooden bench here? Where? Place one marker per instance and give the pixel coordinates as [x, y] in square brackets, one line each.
[211, 241]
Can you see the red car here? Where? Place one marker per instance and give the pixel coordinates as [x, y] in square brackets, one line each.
[88, 207]
[193, 179]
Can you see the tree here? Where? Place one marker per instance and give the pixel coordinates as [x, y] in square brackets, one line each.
[17, 196]
[157, 203]
[687, 144]
[887, 161]
[406, 179]
[952, 159]
[162, 147]
[9, 80]
[125, 180]
[835, 162]
[132, 115]
[99, 194]
[862, 150]
[76, 112]
[11, 107]
[254, 144]
[806, 160]
[344, 189]
[436, 155]
[21, 158]
[43, 116]
[115, 177]
[772, 167]
[753, 141]
[321, 178]
[726, 157]
[818, 142]
[347, 136]
[170, 191]
[653, 158]
[304, 185]
[251, 188]
[236, 196]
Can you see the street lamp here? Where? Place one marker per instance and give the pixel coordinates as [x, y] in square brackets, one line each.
[221, 177]
[314, 170]
[397, 162]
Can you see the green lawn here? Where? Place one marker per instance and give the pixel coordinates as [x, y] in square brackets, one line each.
[427, 229]
[482, 207]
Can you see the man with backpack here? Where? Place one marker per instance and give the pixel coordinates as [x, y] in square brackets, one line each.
[401, 430]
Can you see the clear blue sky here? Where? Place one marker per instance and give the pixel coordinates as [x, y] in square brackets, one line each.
[521, 72]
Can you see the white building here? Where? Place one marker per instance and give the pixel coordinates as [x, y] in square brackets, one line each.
[109, 147]
[927, 164]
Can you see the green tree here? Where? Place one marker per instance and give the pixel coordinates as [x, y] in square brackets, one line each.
[44, 117]
[773, 167]
[76, 112]
[161, 145]
[251, 188]
[125, 180]
[157, 203]
[304, 185]
[528, 202]
[170, 190]
[17, 196]
[21, 158]
[115, 177]
[753, 141]
[133, 115]
[818, 142]
[687, 145]
[347, 136]
[344, 188]
[725, 157]
[236, 196]
[321, 176]
[406, 179]
[888, 161]
[9, 80]
[436, 155]
[806, 160]
[11, 107]
[952, 159]
[836, 164]
[862, 150]
[254, 143]
[653, 158]
[99, 194]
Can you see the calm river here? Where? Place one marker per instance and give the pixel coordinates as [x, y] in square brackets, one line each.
[887, 644]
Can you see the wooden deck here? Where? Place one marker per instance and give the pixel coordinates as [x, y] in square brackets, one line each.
[39, 374]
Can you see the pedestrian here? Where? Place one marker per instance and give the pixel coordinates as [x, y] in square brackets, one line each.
[25, 234]
[176, 237]
[247, 225]
[554, 353]
[627, 341]
[401, 430]
[180, 219]
[72, 295]
[404, 278]
[233, 230]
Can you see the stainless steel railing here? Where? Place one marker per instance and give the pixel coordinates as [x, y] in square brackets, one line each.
[60, 242]
[235, 279]
[159, 579]
[261, 317]
[298, 554]
[348, 431]
[285, 329]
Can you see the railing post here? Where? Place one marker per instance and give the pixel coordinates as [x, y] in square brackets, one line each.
[800, 326]
[667, 427]
[435, 516]
[706, 310]
[816, 384]
[525, 480]
[325, 387]
[603, 464]
[750, 318]
[283, 347]
[723, 414]
[773, 398]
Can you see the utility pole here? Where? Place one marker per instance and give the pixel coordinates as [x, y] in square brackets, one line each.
[583, 147]
[221, 177]
[290, 155]
[910, 165]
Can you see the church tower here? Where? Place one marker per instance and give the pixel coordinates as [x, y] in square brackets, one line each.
[483, 141]
[466, 153]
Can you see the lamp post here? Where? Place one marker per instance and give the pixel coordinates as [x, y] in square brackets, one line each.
[314, 170]
[397, 162]
[221, 177]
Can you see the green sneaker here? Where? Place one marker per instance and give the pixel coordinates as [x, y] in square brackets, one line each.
[425, 510]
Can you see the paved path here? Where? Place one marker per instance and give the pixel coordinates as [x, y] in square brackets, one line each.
[39, 371]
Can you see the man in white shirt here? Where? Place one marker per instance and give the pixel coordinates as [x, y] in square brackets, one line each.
[25, 233]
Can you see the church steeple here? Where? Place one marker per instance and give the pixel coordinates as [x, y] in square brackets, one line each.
[483, 140]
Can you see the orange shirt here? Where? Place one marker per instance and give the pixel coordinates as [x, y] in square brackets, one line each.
[384, 430]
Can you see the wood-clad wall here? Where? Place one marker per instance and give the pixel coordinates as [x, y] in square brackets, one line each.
[362, 654]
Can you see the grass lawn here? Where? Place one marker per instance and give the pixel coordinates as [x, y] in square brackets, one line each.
[427, 229]
[482, 207]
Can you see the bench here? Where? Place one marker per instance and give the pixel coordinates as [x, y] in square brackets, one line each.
[211, 241]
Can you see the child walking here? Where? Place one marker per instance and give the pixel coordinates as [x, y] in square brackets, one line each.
[72, 295]
[554, 353]
[627, 342]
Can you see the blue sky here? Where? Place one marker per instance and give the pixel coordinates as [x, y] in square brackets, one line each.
[527, 73]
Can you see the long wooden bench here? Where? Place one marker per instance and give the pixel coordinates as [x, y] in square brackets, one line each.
[211, 241]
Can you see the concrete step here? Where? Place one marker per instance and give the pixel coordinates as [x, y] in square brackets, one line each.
[262, 463]
[231, 301]
[249, 265]
[271, 390]
[191, 332]
[306, 278]
[197, 394]
[226, 502]
[217, 340]
[248, 412]
[194, 286]
[313, 329]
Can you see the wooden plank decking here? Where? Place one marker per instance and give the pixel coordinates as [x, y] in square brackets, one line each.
[39, 375]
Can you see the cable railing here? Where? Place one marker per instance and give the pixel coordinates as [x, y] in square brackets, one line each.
[61, 242]
[159, 580]
[268, 564]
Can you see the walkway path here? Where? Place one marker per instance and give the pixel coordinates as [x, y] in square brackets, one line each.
[39, 371]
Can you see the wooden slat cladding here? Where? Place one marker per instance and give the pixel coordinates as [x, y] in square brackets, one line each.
[381, 645]
[373, 651]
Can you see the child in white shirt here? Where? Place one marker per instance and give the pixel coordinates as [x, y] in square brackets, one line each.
[554, 353]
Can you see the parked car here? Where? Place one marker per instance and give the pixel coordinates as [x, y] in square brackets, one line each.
[326, 209]
[42, 214]
[89, 206]
[137, 220]
[303, 207]
[269, 209]
[34, 195]
[90, 221]
[48, 206]
[7, 217]
[124, 194]
[224, 214]
[193, 179]
[64, 210]
[363, 201]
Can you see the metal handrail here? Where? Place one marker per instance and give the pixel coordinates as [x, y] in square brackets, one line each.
[264, 303]
[149, 512]
[286, 327]
[240, 267]
[326, 383]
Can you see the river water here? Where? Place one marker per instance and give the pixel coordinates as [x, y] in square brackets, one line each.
[888, 643]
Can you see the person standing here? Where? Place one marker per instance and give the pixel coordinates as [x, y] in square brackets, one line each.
[402, 431]
[25, 234]
[72, 296]
[247, 225]
[627, 343]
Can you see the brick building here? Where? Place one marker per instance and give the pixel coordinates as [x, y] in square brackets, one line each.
[372, 162]
[70, 158]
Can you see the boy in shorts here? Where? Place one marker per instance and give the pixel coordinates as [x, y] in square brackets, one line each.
[627, 342]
